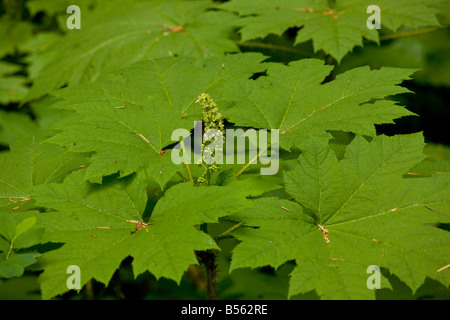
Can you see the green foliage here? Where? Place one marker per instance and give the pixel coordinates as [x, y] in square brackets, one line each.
[86, 140]
[152, 30]
[98, 237]
[32, 162]
[14, 237]
[12, 34]
[334, 28]
[425, 51]
[12, 88]
[352, 102]
[129, 117]
[335, 233]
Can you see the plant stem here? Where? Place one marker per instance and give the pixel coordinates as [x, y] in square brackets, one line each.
[249, 163]
[181, 175]
[208, 259]
[89, 290]
[197, 277]
[10, 249]
[188, 168]
[208, 177]
[211, 280]
[224, 234]
[409, 33]
[211, 272]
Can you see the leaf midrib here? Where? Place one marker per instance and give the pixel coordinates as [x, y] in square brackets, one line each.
[362, 185]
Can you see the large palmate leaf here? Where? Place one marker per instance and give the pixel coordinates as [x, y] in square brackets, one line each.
[292, 99]
[127, 118]
[32, 162]
[98, 237]
[334, 28]
[153, 29]
[349, 215]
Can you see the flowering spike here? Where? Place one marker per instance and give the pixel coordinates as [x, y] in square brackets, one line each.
[212, 120]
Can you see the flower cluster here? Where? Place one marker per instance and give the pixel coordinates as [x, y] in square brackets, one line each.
[211, 115]
[212, 120]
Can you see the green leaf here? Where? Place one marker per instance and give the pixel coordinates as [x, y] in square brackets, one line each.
[27, 235]
[15, 126]
[14, 237]
[12, 87]
[292, 99]
[93, 12]
[12, 34]
[335, 29]
[4, 244]
[7, 226]
[317, 181]
[250, 184]
[128, 117]
[153, 29]
[37, 49]
[314, 170]
[438, 161]
[270, 286]
[51, 8]
[195, 205]
[427, 52]
[25, 225]
[97, 235]
[351, 214]
[15, 177]
[15, 265]
[21, 235]
[32, 162]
